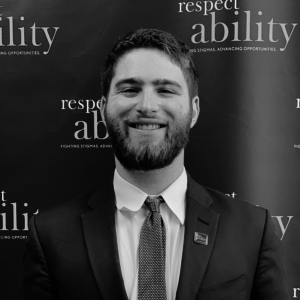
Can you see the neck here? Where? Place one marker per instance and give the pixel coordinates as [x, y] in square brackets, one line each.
[156, 181]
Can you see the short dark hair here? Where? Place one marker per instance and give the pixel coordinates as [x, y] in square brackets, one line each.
[179, 53]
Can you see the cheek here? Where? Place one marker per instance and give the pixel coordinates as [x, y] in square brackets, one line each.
[177, 110]
[119, 107]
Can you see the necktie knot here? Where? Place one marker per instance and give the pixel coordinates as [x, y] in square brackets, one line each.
[153, 204]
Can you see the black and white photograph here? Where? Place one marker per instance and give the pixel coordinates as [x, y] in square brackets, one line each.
[150, 149]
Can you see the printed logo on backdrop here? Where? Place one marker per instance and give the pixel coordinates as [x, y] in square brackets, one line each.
[244, 34]
[18, 39]
[89, 132]
[296, 292]
[14, 219]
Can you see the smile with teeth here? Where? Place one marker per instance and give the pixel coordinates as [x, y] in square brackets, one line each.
[147, 127]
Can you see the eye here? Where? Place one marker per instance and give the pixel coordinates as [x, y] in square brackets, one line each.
[166, 92]
[129, 92]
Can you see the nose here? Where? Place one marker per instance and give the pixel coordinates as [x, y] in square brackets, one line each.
[148, 103]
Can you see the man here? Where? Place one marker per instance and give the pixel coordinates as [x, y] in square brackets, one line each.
[151, 232]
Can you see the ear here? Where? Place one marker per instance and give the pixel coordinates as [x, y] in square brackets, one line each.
[195, 110]
[102, 109]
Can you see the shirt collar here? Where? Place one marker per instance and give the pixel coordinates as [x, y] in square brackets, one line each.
[130, 197]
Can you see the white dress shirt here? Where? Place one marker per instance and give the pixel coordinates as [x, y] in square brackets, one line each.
[130, 216]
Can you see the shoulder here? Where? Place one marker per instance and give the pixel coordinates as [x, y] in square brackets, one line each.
[64, 214]
[230, 210]
[222, 202]
[245, 221]
[68, 216]
[219, 201]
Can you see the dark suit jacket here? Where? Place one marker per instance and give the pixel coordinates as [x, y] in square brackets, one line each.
[72, 253]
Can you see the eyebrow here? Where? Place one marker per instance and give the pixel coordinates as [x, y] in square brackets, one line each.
[132, 80]
[138, 81]
[166, 82]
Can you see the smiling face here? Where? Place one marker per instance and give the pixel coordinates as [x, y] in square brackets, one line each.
[148, 112]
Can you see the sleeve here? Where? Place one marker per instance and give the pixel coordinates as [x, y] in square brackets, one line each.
[270, 276]
[36, 281]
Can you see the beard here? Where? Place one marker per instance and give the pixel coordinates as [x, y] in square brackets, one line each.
[147, 156]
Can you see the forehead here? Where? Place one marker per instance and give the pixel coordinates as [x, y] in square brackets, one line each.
[148, 65]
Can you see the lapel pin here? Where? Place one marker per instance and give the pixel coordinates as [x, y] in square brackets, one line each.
[201, 238]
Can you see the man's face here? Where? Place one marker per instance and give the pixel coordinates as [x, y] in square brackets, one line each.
[148, 112]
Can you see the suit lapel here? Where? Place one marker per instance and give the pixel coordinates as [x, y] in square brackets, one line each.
[195, 256]
[101, 242]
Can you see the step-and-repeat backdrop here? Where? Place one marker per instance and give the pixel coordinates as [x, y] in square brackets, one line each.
[54, 145]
